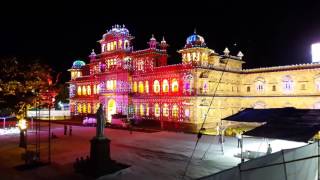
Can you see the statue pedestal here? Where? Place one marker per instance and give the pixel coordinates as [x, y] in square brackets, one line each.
[100, 160]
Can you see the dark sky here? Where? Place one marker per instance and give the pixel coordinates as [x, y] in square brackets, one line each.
[268, 34]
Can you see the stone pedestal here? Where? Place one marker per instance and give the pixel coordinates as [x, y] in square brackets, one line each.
[100, 161]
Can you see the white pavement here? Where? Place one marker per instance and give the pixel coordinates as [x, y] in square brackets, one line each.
[159, 155]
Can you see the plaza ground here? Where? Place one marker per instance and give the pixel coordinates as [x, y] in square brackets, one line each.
[150, 155]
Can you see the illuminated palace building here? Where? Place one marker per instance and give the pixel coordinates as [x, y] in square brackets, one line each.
[206, 85]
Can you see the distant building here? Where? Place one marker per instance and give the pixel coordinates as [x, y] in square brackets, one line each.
[141, 84]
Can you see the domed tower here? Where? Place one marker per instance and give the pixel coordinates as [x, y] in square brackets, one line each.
[117, 38]
[163, 44]
[76, 69]
[195, 51]
[152, 42]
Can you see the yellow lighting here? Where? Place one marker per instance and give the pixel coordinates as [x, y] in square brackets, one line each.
[22, 124]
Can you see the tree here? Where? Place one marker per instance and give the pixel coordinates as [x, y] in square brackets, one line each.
[63, 95]
[21, 84]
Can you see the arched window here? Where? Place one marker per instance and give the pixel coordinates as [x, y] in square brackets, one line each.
[79, 109]
[156, 86]
[287, 84]
[248, 88]
[103, 48]
[84, 91]
[175, 111]
[126, 44]
[108, 47]
[147, 86]
[114, 44]
[98, 88]
[156, 110]
[187, 113]
[205, 87]
[89, 108]
[147, 109]
[274, 88]
[174, 85]
[135, 87]
[84, 108]
[120, 44]
[141, 110]
[89, 90]
[165, 86]
[187, 83]
[79, 91]
[260, 84]
[165, 110]
[141, 87]
[94, 89]
[96, 107]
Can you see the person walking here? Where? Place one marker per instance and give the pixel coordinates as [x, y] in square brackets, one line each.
[70, 130]
[238, 136]
[65, 129]
[269, 150]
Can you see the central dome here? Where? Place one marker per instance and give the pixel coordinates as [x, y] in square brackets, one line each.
[195, 40]
[117, 29]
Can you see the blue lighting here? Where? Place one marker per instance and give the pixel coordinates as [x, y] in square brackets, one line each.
[78, 64]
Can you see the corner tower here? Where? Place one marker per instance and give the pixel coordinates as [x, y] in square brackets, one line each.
[195, 51]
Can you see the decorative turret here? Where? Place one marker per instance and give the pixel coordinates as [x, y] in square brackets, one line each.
[118, 37]
[226, 51]
[163, 44]
[92, 55]
[195, 51]
[153, 42]
[195, 40]
[76, 69]
[240, 55]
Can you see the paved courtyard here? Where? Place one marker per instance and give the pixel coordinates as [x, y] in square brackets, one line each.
[157, 155]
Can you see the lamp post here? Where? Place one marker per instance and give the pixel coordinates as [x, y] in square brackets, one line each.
[22, 124]
[49, 136]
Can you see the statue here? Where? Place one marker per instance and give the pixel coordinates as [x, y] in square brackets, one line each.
[100, 121]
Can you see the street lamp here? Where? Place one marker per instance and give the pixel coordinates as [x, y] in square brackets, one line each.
[22, 124]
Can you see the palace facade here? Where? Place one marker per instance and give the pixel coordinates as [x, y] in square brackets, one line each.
[205, 86]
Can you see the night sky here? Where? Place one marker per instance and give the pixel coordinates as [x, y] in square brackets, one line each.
[269, 34]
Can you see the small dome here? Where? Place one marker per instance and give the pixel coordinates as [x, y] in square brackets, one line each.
[195, 40]
[78, 64]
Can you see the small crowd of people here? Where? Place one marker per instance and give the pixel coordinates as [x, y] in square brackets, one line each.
[239, 136]
[66, 130]
[81, 164]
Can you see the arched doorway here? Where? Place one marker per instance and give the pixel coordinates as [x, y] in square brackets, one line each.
[111, 109]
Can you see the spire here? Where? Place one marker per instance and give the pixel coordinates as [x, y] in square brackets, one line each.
[163, 44]
[163, 41]
[195, 30]
[240, 55]
[93, 54]
[226, 51]
[153, 42]
[152, 37]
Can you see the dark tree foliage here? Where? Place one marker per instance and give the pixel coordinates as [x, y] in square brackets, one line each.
[63, 95]
[20, 84]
